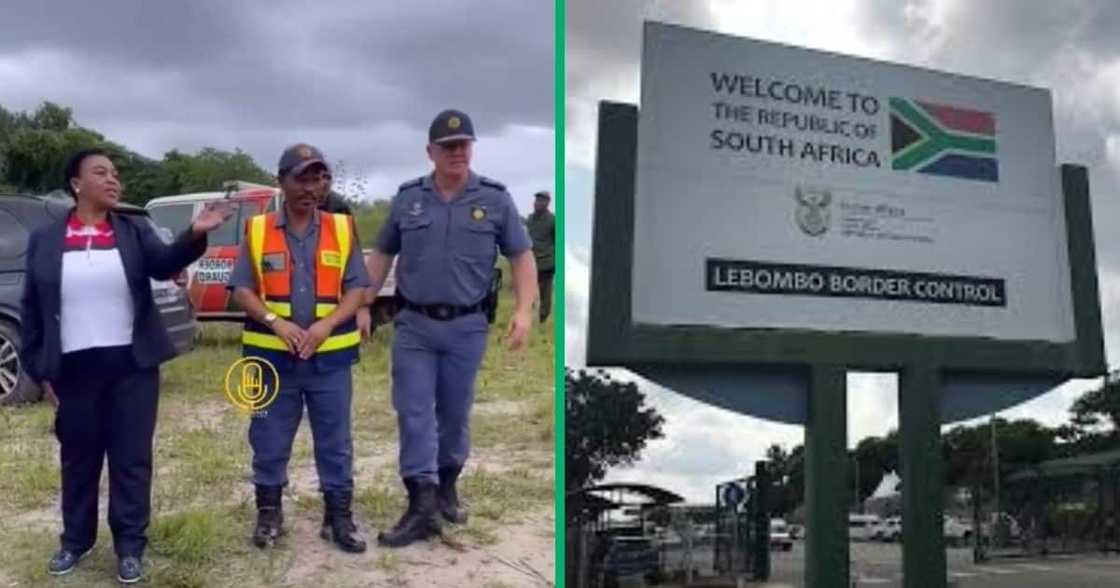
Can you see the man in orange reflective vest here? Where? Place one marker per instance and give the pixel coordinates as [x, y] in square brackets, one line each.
[300, 279]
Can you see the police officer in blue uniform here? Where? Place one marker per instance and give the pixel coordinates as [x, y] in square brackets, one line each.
[447, 227]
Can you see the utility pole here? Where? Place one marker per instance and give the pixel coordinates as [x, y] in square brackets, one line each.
[995, 465]
[857, 506]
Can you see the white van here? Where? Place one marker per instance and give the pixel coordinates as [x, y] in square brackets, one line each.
[861, 527]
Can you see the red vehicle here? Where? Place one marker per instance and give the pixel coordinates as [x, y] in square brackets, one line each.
[205, 280]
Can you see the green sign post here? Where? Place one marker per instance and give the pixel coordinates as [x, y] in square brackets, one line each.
[822, 359]
[826, 462]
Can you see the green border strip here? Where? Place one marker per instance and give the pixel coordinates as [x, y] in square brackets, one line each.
[561, 293]
[614, 340]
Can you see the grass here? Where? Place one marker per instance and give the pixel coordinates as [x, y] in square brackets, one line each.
[25, 554]
[532, 427]
[480, 533]
[30, 483]
[389, 562]
[207, 458]
[380, 503]
[194, 538]
[28, 458]
[202, 496]
[497, 496]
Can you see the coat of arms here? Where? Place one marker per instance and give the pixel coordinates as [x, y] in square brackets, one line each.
[812, 214]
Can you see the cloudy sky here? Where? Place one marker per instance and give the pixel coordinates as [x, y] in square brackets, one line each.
[361, 80]
[1069, 47]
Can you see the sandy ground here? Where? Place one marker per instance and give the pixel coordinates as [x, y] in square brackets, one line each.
[523, 555]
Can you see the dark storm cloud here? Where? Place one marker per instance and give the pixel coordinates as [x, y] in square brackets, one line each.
[363, 78]
[1069, 47]
[335, 63]
[604, 38]
[453, 51]
[128, 33]
[997, 38]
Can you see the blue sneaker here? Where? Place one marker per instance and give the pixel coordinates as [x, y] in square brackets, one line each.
[65, 561]
[129, 569]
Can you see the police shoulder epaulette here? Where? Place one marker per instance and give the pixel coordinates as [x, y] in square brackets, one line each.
[411, 184]
[491, 183]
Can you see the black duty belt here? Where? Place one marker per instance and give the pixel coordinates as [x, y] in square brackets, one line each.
[444, 312]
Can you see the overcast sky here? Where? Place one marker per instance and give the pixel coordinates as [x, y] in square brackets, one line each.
[1070, 47]
[361, 80]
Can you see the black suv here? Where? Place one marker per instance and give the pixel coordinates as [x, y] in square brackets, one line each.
[19, 215]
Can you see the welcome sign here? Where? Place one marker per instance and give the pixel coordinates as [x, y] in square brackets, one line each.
[784, 188]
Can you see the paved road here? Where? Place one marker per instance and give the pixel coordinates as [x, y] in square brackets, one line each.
[880, 565]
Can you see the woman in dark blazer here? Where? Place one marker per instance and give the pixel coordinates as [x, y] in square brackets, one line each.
[93, 339]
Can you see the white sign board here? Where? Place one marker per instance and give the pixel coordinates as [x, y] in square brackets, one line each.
[780, 187]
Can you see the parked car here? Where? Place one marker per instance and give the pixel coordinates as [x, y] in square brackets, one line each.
[957, 532]
[1001, 525]
[797, 531]
[628, 557]
[862, 526]
[779, 535]
[205, 279]
[19, 215]
[888, 530]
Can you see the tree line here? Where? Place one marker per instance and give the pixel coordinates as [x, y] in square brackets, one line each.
[967, 451]
[34, 147]
[608, 425]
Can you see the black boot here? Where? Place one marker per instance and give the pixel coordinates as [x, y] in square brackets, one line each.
[338, 522]
[419, 521]
[270, 515]
[448, 496]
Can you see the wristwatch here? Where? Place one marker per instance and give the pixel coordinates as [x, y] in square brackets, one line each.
[270, 318]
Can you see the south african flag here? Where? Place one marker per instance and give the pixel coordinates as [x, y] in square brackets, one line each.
[943, 140]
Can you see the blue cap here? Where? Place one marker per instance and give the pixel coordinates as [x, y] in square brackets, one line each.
[451, 125]
[298, 158]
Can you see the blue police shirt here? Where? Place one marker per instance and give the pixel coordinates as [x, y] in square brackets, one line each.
[447, 250]
[302, 249]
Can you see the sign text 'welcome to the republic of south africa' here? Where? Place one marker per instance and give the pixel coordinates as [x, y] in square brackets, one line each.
[783, 188]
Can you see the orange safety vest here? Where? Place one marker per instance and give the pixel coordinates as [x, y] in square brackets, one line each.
[272, 263]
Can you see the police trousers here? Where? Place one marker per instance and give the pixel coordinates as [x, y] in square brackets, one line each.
[544, 286]
[434, 368]
[106, 408]
[272, 431]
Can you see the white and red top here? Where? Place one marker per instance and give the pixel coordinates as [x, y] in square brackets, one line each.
[96, 302]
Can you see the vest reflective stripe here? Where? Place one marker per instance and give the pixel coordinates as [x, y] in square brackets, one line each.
[283, 309]
[340, 342]
[263, 340]
[330, 258]
[255, 238]
[269, 341]
[268, 246]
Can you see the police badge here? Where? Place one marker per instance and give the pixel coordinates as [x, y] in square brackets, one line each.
[812, 214]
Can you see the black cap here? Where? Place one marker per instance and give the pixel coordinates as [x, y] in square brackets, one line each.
[543, 195]
[298, 158]
[451, 125]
